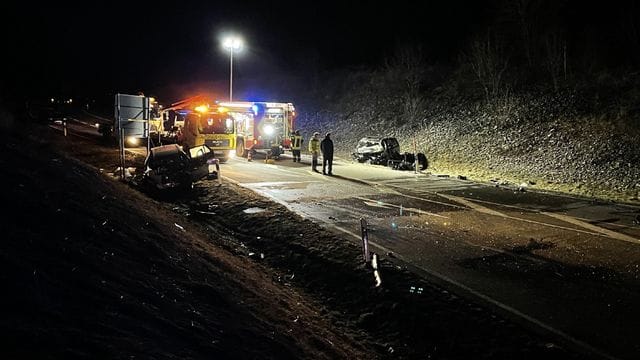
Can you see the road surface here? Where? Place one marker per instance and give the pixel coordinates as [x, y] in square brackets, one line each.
[561, 264]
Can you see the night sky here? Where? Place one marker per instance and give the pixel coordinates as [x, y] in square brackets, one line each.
[112, 46]
[70, 48]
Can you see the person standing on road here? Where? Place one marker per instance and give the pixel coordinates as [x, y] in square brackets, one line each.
[326, 146]
[314, 149]
[296, 145]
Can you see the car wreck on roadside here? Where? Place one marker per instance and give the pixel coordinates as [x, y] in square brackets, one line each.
[169, 168]
[386, 151]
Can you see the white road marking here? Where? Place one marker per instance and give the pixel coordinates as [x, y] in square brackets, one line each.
[586, 225]
[485, 210]
[504, 307]
[448, 280]
[595, 230]
[386, 205]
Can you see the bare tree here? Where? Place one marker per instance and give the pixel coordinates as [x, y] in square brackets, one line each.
[409, 67]
[489, 61]
[522, 13]
[556, 58]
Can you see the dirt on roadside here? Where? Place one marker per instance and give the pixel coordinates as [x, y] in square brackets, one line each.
[94, 268]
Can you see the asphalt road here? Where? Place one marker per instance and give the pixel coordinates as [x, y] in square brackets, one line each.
[565, 265]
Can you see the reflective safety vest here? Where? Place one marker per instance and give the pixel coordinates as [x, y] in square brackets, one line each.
[314, 145]
[296, 142]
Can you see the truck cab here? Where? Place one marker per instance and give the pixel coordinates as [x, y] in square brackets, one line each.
[214, 129]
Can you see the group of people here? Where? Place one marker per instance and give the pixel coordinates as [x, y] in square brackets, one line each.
[315, 147]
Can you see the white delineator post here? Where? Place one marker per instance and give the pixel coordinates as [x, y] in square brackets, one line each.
[365, 241]
[214, 164]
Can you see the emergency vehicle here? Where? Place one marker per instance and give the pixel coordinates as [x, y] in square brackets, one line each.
[196, 121]
[261, 127]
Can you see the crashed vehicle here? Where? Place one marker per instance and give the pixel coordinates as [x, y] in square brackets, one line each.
[168, 167]
[386, 151]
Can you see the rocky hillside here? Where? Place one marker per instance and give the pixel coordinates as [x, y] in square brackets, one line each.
[582, 142]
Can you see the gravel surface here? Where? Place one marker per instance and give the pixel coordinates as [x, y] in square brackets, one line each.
[565, 142]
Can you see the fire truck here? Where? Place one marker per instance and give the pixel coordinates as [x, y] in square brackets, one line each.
[261, 127]
[196, 121]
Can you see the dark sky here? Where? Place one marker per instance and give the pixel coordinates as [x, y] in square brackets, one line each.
[115, 46]
[120, 46]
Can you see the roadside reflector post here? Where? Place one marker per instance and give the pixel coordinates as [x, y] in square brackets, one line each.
[376, 271]
[214, 166]
[64, 126]
[365, 240]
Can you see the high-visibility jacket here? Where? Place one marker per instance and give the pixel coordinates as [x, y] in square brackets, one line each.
[296, 142]
[314, 145]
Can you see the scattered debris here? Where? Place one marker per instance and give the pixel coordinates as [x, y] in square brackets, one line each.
[462, 177]
[179, 227]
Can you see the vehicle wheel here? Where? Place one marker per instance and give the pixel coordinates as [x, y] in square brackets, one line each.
[240, 150]
[422, 160]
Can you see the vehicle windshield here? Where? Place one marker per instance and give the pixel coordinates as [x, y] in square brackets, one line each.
[216, 124]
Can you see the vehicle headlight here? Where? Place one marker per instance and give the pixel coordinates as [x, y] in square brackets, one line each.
[269, 130]
[133, 141]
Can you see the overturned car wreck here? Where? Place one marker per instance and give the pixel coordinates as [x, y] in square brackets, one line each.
[168, 167]
[386, 151]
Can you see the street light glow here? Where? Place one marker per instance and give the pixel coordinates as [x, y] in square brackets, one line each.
[233, 44]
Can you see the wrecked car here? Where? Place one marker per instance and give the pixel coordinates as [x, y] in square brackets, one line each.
[169, 167]
[386, 151]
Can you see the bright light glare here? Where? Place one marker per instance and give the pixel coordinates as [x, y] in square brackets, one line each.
[202, 108]
[133, 141]
[269, 130]
[232, 43]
